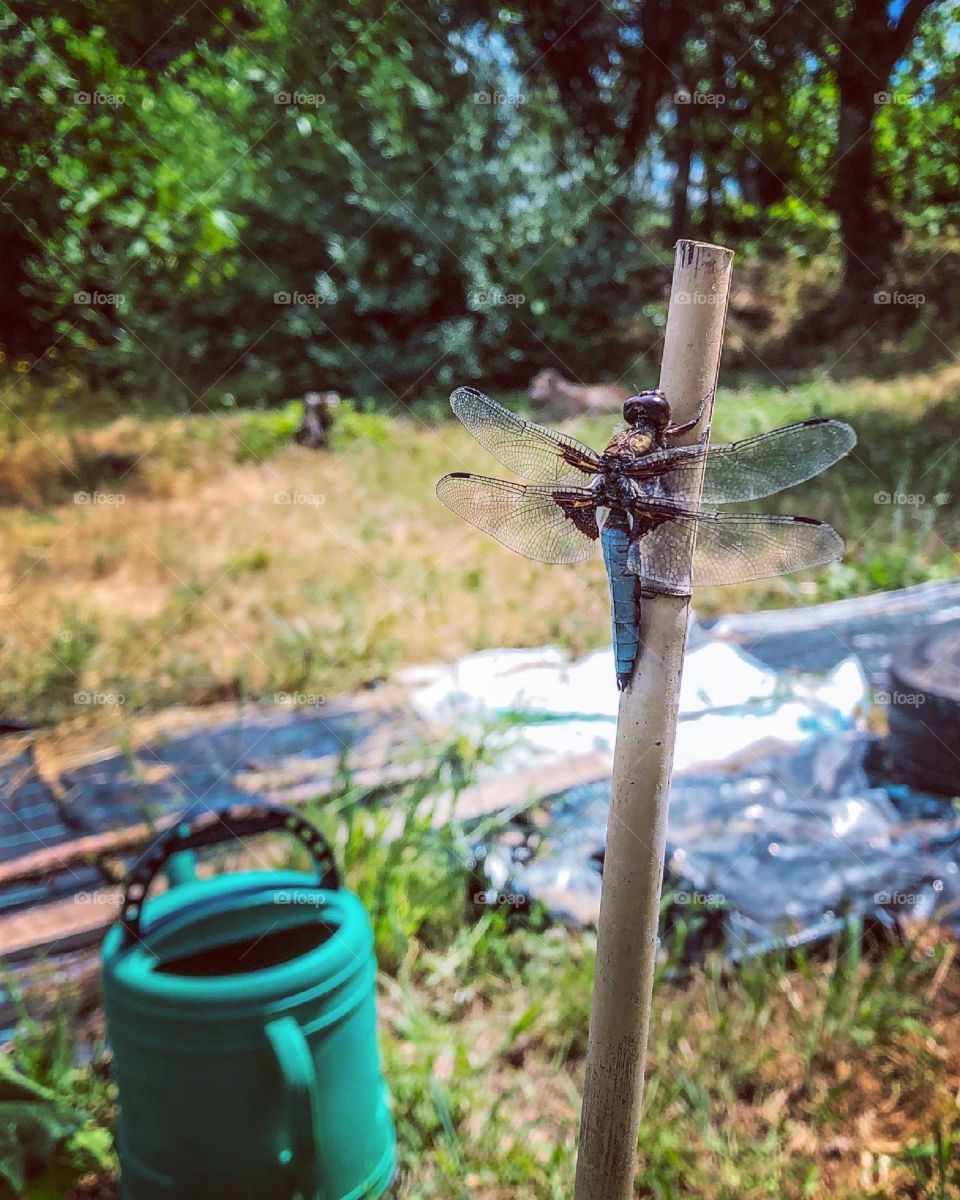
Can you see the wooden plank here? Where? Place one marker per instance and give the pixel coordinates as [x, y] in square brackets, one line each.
[83, 919]
[522, 787]
[80, 920]
[94, 848]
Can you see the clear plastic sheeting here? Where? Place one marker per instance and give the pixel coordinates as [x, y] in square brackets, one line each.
[816, 637]
[785, 819]
[785, 847]
[541, 706]
[801, 838]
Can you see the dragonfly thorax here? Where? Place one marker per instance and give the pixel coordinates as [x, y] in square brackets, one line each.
[629, 444]
[617, 490]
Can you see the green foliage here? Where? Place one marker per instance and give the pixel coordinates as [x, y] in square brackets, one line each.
[219, 211]
[409, 869]
[264, 433]
[52, 1114]
[351, 426]
[275, 198]
[60, 668]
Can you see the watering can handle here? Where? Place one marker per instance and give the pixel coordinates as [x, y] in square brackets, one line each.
[199, 827]
[302, 1100]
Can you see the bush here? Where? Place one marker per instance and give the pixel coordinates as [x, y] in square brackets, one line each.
[264, 433]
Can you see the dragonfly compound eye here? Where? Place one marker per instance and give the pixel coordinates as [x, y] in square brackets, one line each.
[650, 409]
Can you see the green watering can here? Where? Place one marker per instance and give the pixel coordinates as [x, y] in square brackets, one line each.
[241, 1012]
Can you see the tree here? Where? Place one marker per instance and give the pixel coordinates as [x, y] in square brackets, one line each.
[870, 43]
[465, 190]
[618, 69]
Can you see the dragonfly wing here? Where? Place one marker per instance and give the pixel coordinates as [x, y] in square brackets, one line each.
[747, 470]
[730, 548]
[549, 524]
[530, 450]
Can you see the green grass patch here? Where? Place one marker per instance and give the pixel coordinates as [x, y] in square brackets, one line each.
[834, 1077]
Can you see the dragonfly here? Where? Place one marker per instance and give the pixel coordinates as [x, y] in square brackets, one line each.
[643, 500]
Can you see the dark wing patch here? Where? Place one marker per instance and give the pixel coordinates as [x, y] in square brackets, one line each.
[549, 524]
[581, 511]
[530, 450]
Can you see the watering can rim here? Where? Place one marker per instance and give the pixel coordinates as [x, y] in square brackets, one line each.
[323, 968]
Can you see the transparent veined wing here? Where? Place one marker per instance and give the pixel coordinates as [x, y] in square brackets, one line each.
[747, 470]
[530, 450]
[730, 548]
[549, 524]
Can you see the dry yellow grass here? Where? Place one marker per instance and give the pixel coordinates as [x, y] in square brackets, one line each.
[196, 577]
[305, 571]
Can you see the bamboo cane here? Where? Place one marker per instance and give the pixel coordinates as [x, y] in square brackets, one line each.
[643, 757]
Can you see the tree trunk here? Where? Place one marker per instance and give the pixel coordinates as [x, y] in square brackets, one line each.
[664, 28]
[868, 52]
[683, 156]
[856, 193]
[711, 185]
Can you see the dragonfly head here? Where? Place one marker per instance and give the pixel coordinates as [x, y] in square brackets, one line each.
[649, 410]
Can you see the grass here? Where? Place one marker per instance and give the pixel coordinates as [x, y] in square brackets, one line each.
[201, 558]
[838, 1077]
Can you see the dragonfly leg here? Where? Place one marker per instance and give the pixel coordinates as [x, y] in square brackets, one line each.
[647, 590]
[686, 426]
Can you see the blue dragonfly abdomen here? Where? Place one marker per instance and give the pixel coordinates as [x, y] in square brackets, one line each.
[624, 595]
